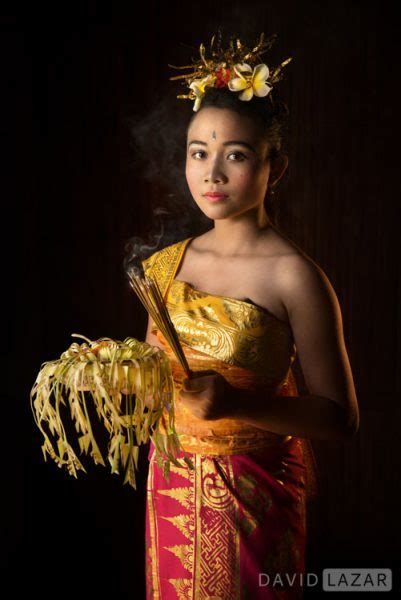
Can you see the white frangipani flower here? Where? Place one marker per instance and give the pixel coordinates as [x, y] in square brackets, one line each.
[249, 81]
[198, 86]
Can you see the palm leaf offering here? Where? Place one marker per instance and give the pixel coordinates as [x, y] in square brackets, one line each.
[117, 377]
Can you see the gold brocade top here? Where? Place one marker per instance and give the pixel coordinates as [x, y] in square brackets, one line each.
[246, 343]
[234, 331]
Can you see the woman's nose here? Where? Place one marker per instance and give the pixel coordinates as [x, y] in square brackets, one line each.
[215, 173]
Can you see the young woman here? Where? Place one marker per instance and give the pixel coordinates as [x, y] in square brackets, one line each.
[244, 300]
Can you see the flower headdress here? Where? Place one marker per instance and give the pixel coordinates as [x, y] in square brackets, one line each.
[237, 68]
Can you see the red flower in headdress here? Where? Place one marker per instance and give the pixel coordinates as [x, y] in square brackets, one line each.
[222, 77]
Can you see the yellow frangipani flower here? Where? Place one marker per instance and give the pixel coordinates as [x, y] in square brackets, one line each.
[198, 86]
[249, 81]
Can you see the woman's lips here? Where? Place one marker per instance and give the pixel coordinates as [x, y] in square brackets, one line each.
[214, 197]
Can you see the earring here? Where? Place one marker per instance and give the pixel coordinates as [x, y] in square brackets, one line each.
[271, 190]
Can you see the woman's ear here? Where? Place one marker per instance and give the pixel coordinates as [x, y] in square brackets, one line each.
[278, 168]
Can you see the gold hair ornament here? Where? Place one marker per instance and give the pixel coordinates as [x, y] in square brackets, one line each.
[238, 68]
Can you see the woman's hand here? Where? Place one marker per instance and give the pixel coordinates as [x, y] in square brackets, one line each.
[207, 395]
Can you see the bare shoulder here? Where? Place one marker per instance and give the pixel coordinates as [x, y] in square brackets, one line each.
[296, 276]
[304, 286]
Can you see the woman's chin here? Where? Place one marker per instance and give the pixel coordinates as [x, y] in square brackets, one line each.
[217, 212]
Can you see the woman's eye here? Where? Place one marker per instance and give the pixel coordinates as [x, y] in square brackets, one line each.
[197, 152]
[231, 153]
[237, 154]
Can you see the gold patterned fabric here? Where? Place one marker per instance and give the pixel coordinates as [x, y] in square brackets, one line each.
[234, 331]
[248, 345]
[209, 532]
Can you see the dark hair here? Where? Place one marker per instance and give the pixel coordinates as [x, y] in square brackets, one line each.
[272, 116]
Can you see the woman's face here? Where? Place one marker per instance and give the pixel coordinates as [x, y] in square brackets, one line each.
[225, 154]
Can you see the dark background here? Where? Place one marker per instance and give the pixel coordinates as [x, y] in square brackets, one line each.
[75, 190]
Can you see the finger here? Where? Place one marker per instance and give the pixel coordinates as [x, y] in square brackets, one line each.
[189, 397]
[198, 374]
[198, 381]
[190, 386]
[192, 382]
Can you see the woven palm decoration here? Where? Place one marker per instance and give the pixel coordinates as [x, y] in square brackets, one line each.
[116, 377]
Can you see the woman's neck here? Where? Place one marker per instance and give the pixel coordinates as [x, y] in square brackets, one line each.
[238, 235]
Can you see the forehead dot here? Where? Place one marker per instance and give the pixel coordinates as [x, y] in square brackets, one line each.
[214, 135]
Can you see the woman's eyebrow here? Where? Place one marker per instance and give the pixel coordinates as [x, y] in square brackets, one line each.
[230, 143]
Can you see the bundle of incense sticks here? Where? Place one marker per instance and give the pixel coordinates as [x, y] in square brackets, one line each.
[149, 294]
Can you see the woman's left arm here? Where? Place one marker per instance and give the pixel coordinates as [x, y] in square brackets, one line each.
[330, 410]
